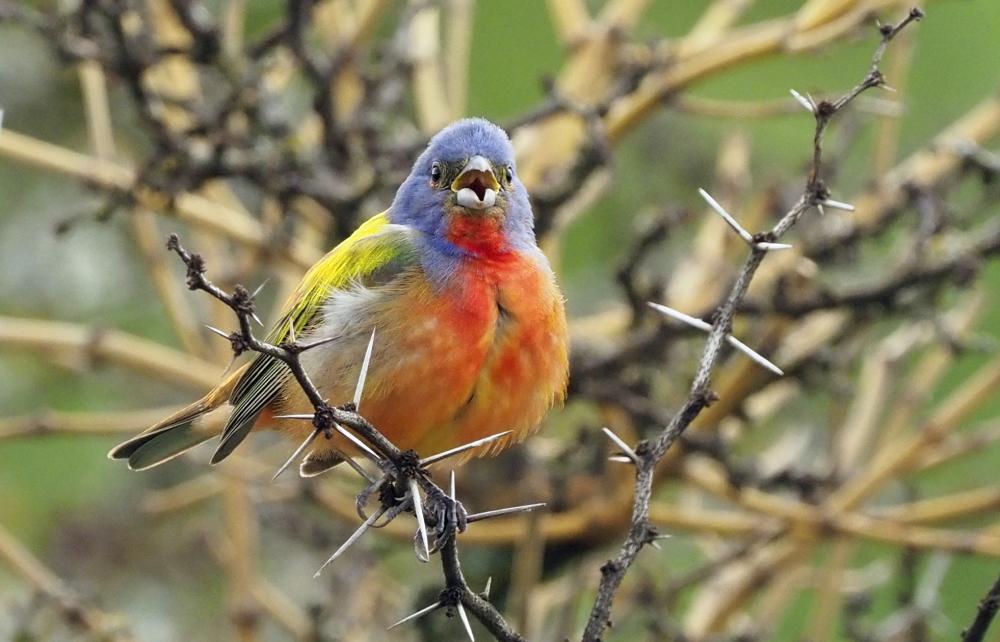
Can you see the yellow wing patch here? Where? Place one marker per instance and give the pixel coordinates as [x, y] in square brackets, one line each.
[343, 263]
[374, 254]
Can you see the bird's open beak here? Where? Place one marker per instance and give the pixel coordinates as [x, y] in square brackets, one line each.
[476, 185]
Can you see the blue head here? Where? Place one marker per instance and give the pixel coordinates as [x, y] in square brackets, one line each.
[464, 192]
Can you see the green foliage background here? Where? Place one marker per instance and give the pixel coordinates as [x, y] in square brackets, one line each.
[68, 503]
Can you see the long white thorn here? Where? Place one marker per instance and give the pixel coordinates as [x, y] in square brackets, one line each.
[489, 585]
[526, 508]
[353, 538]
[364, 372]
[694, 322]
[357, 468]
[217, 331]
[733, 223]
[754, 355]
[362, 446]
[655, 542]
[343, 431]
[452, 488]
[317, 343]
[705, 327]
[621, 444]
[259, 288]
[295, 455]
[726, 216]
[460, 449]
[413, 616]
[837, 205]
[418, 510]
[806, 103]
[465, 621]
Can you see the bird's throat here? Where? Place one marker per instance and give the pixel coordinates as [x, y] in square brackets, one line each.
[481, 234]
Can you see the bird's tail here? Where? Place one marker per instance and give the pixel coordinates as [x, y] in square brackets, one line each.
[181, 431]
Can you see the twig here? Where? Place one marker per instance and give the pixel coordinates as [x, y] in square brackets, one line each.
[984, 615]
[73, 608]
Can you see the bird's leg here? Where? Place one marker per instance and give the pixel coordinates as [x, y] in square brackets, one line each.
[365, 495]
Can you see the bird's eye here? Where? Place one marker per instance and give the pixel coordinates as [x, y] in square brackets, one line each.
[509, 174]
[436, 174]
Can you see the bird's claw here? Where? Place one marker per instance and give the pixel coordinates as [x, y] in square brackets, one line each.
[444, 515]
[448, 515]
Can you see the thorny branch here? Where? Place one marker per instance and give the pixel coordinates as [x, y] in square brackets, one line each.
[988, 608]
[403, 471]
[649, 452]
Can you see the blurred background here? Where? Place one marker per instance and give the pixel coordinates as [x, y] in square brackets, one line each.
[187, 553]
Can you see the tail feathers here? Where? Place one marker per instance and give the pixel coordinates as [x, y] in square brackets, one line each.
[233, 436]
[161, 448]
[164, 441]
[179, 432]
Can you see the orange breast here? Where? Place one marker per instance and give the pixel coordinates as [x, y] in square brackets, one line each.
[526, 368]
[438, 350]
[489, 354]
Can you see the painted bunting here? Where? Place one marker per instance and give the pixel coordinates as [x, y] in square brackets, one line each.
[470, 330]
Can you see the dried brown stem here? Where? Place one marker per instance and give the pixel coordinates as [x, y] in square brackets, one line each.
[74, 610]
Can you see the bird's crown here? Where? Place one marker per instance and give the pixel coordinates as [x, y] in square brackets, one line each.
[469, 137]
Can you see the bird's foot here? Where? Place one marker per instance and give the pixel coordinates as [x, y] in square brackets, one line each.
[361, 502]
[390, 502]
[448, 516]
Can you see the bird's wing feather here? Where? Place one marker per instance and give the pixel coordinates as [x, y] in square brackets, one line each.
[376, 254]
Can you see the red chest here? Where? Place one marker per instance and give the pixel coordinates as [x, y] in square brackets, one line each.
[494, 289]
[482, 235]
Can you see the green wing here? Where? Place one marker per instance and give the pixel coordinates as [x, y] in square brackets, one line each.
[374, 255]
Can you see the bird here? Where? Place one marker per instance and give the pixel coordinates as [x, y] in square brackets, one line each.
[470, 335]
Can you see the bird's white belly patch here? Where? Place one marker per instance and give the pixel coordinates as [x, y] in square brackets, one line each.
[349, 316]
